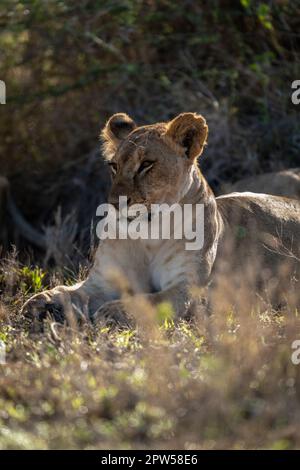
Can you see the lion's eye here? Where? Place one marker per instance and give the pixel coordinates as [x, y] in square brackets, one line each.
[113, 167]
[145, 166]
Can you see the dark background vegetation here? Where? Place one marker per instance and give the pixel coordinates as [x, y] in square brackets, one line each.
[69, 65]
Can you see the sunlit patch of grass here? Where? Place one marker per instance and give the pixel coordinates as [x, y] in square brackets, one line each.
[165, 315]
[224, 381]
[31, 279]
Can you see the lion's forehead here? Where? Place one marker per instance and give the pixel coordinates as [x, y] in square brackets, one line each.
[139, 144]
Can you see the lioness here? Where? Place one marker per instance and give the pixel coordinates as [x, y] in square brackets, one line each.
[158, 164]
[280, 183]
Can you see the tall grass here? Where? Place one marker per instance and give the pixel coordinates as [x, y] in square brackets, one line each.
[223, 381]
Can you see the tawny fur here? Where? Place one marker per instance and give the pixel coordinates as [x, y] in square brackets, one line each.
[237, 227]
[279, 183]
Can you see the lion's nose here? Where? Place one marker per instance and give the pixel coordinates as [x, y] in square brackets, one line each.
[119, 204]
[114, 202]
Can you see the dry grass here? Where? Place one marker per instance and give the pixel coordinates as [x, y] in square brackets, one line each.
[226, 381]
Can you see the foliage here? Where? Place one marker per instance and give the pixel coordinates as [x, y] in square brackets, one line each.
[224, 381]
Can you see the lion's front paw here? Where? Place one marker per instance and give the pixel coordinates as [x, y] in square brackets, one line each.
[44, 305]
[114, 314]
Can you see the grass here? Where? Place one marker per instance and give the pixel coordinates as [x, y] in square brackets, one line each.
[223, 382]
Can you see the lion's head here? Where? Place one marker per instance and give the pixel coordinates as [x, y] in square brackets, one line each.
[152, 164]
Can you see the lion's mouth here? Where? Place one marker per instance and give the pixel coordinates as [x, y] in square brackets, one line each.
[142, 217]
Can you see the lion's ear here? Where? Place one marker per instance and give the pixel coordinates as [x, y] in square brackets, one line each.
[189, 130]
[115, 130]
